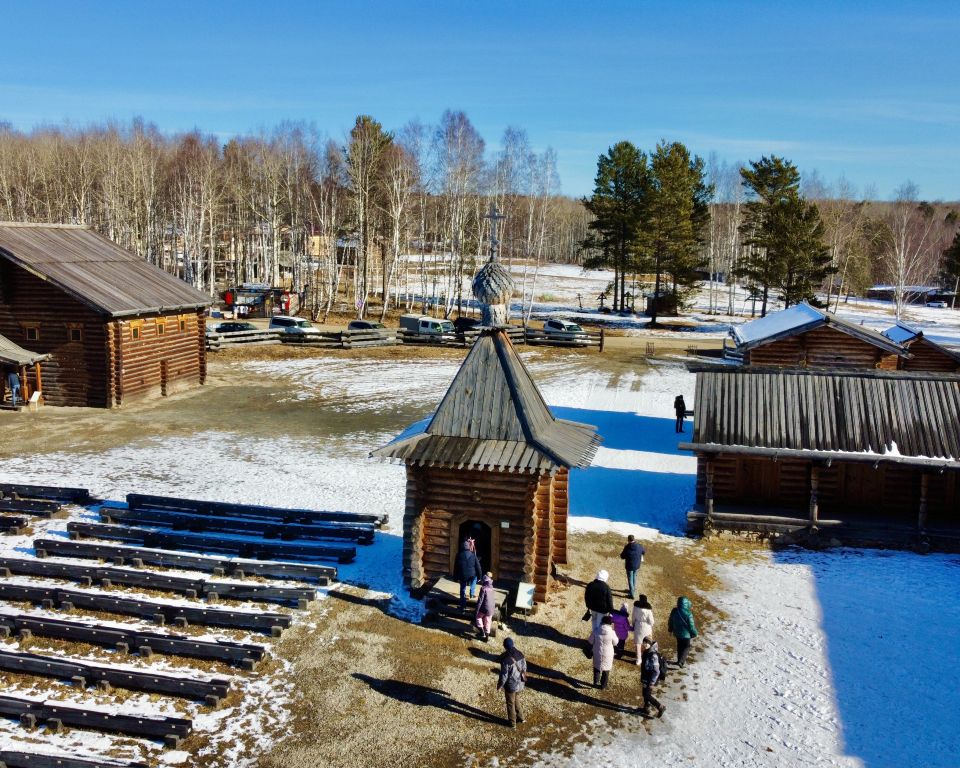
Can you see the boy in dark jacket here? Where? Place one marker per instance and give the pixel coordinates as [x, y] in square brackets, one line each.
[632, 556]
[682, 627]
[649, 676]
[466, 569]
[680, 407]
[513, 675]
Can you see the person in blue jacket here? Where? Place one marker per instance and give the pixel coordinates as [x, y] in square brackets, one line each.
[632, 556]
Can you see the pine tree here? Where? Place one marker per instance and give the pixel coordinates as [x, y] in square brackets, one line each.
[677, 213]
[796, 234]
[618, 202]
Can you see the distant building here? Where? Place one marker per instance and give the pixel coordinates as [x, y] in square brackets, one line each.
[115, 327]
[925, 354]
[803, 336]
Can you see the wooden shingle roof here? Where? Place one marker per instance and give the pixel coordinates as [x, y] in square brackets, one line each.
[96, 271]
[801, 318]
[494, 417]
[13, 354]
[911, 418]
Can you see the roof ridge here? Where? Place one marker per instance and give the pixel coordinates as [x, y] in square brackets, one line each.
[42, 225]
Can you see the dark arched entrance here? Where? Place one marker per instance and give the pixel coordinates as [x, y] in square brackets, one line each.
[482, 535]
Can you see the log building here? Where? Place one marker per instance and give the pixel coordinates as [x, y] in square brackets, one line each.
[863, 456]
[115, 327]
[492, 462]
[803, 336]
[16, 359]
[925, 354]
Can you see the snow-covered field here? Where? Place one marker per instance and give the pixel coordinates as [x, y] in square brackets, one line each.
[832, 659]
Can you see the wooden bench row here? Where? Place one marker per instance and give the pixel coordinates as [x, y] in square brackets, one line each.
[194, 542]
[159, 612]
[34, 713]
[131, 639]
[13, 524]
[13, 759]
[50, 492]
[86, 673]
[362, 533]
[218, 566]
[87, 575]
[222, 508]
[34, 507]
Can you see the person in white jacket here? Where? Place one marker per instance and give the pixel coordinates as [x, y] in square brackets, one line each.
[642, 623]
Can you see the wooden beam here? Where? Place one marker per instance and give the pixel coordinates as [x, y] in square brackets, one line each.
[708, 490]
[814, 492]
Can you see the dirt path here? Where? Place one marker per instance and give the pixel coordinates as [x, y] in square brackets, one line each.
[371, 684]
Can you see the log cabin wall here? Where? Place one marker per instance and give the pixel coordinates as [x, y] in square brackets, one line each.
[40, 317]
[438, 500]
[822, 347]
[927, 357]
[561, 510]
[857, 489]
[159, 354]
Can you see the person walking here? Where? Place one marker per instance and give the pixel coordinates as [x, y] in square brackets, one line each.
[513, 677]
[13, 383]
[682, 627]
[650, 675]
[604, 641]
[621, 626]
[680, 407]
[466, 568]
[598, 599]
[486, 606]
[632, 556]
[642, 622]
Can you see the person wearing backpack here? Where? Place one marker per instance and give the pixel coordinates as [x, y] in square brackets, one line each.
[650, 673]
[682, 627]
[513, 676]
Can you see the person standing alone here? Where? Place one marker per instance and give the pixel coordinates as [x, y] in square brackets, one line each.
[632, 556]
[680, 408]
[513, 676]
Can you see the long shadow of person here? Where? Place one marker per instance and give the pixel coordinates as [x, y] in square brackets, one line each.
[424, 696]
[552, 682]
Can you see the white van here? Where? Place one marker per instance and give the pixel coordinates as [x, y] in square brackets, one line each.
[427, 326]
[292, 325]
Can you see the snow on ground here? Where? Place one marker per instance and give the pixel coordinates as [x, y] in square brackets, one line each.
[834, 659]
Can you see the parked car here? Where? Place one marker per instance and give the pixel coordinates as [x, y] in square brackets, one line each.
[292, 325]
[564, 330]
[427, 326]
[233, 327]
[937, 304]
[365, 325]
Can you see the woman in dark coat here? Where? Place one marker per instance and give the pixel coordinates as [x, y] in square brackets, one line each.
[680, 407]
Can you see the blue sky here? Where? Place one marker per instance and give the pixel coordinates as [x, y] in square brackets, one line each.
[868, 91]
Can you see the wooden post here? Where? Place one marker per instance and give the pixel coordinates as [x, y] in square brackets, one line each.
[814, 501]
[36, 367]
[922, 515]
[24, 384]
[708, 490]
[601, 339]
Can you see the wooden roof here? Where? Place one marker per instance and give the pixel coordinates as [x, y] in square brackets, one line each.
[905, 334]
[494, 417]
[96, 271]
[14, 354]
[801, 318]
[911, 418]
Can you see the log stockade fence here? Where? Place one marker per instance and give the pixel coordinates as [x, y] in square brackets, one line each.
[227, 541]
[388, 337]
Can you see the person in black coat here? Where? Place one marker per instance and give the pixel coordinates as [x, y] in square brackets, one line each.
[632, 556]
[681, 410]
[466, 569]
[598, 599]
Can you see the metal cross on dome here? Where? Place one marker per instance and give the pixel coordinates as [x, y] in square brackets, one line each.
[494, 216]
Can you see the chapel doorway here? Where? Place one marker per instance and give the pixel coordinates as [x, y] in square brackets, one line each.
[483, 536]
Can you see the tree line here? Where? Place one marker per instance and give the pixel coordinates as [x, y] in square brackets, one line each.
[374, 215]
[677, 221]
